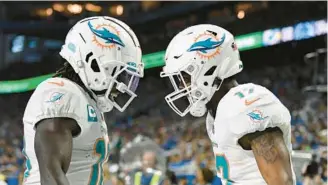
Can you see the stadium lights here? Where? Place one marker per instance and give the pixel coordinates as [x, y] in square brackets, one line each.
[44, 12]
[119, 9]
[49, 11]
[92, 8]
[58, 7]
[116, 10]
[241, 14]
[74, 8]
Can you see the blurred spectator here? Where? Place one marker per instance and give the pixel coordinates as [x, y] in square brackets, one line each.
[204, 176]
[3, 179]
[311, 172]
[170, 178]
[323, 163]
[148, 174]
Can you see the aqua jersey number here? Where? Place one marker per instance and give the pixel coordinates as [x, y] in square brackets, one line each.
[242, 95]
[101, 150]
[222, 167]
[28, 165]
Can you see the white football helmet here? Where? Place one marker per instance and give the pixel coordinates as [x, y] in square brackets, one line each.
[197, 61]
[106, 54]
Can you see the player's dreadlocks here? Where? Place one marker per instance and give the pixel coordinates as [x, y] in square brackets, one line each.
[68, 72]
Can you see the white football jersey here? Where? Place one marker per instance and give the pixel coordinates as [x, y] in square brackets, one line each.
[59, 97]
[244, 109]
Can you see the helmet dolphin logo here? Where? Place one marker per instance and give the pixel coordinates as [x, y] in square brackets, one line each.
[105, 34]
[207, 44]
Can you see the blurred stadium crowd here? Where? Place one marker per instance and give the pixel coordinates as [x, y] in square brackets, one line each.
[187, 149]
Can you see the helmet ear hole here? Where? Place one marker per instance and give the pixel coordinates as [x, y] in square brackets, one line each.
[95, 66]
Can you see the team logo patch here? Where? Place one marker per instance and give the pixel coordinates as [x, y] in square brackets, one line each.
[256, 116]
[92, 115]
[207, 45]
[105, 36]
[55, 97]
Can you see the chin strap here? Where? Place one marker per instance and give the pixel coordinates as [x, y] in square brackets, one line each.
[199, 109]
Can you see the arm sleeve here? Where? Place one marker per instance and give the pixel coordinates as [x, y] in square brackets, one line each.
[267, 112]
[52, 101]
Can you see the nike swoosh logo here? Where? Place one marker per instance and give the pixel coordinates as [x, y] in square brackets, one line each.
[61, 83]
[251, 101]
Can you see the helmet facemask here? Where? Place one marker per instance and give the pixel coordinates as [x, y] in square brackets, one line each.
[122, 81]
[123, 87]
[193, 85]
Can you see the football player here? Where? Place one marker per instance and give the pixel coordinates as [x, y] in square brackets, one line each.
[66, 139]
[248, 126]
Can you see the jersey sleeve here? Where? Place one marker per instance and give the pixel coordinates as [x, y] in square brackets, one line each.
[53, 98]
[257, 112]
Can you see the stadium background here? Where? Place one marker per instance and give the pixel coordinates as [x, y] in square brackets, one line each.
[282, 44]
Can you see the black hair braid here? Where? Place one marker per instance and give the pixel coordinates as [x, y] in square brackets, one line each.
[68, 72]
